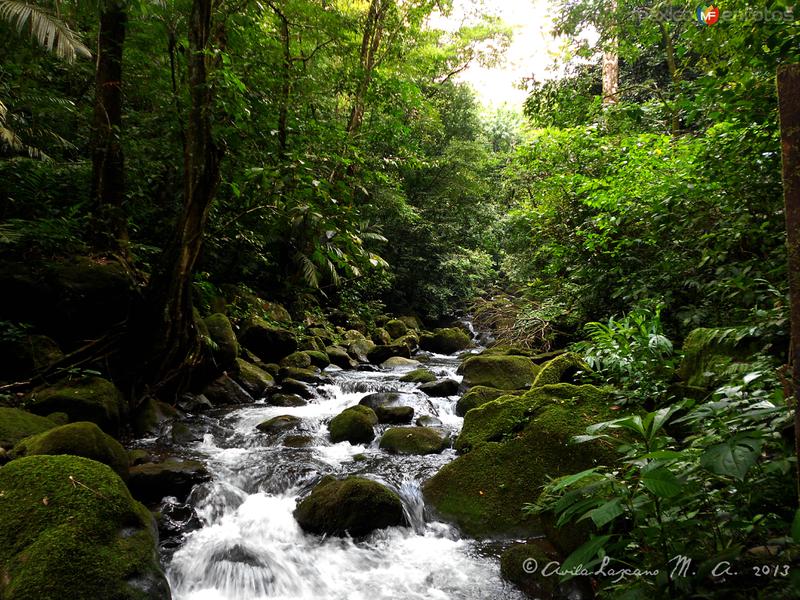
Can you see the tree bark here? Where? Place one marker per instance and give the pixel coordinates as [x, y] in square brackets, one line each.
[175, 345]
[611, 65]
[108, 164]
[672, 66]
[370, 42]
[789, 106]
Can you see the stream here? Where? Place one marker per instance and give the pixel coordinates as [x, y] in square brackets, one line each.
[246, 545]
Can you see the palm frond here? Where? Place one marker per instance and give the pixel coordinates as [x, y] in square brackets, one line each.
[47, 29]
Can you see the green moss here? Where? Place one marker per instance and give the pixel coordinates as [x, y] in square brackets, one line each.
[445, 341]
[500, 371]
[354, 506]
[354, 425]
[418, 376]
[70, 529]
[299, 360]
[395, 328]
[253, 379]
[279, 424]
[78, 439]
[512, 567]
[709, 355]
[88, 399]
[479, 395]
[318, 359]
[221, 333]
[16, 424]
[150, 415]
[413, 440]
[500, 418]
[483, 491]
[561, 369]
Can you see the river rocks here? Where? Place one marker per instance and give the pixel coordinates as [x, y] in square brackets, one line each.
[304, 375]
[565, 368]
[300, 360]
[390, 407]
[395, 415]
[354, 506]
[279, 424]
[286, 400]
[381, 337]
[354, 425]
[22, 356]
[87, 399]
[411, 322]
[276, 312]
[516, 445]
[445, 341]
[318, 358]
[224, 390]
[70, 529]
[398, 362]
[226, 348]
[16, 424]
[516, 564]
[441, 388]
[428, 421]
[360, 349]
[418, 376]
[339, 357]
[413, 440]
[478, 395]
[150, 415]
[499, 371]
[298, 388]
[78, 439]
[254, 380]
[381, 353]
[395, 328]
[150, 482]
[268, 342]
[709, 355]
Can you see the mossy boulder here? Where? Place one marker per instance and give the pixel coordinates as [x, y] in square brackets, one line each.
[279, 424]
[69, 528]
[499, 371]
[479, 395]
[483, 491]
[418, 376]
[78, 439]
[286, 400]
[16, 424]
[310, 375]
[299, 388]
[381, 337]
[23, 356]
[710, 356]
[399, 362]
[354, 425]
[395, 328]
[150, 482]
[86, 399]
[413, 440]
[254, 380]
[411, 340]
[564, 368]
[318, 358]
[381, 353]
[300, 360]
[354, 506]
[441, 388]
[445, 341]
[150, 415]
[522, 565]
[269, 342]
[390, 407]
[360, 349]
[339, 357]
[226, 348]
[225, 391]
[276, 312]
[411, 322]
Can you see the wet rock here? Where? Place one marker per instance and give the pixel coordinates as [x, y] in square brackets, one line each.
[86, 399]
[419, 376]
[565, 368]
[391, 407]
[354, 506]
[253, 379]
[224, 390]
[298, 388]
[499, 371]
[194, 403]
[286, 400]
[398, 362]
[413, 440]
[339, 357]
[298, 441]
[395, 328]
[445, 341]
[300, 360]
[150, 482]
[319, 359]
[381, 337]
[279, 424]
[226, 348]
[441, 388]
[149, 417]
[360, 349]
[394, 415]
[16, 424]
[268, 342]
[411, 322]
[70, 529]
[354, 425]
[428, 421]
[380, 354]
[78, 439]
[479, 395]
[305, 375]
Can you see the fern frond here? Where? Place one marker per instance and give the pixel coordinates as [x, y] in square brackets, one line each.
[45, 28]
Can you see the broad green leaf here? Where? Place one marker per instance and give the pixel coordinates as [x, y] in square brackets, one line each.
[585, 556]
[568, 480]
[661, 482]
[732, 458]
[607, 512]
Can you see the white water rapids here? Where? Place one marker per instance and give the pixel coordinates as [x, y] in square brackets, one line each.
[250, 547]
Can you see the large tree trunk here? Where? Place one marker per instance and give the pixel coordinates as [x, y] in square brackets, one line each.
[672, 66]
[108, 174]
[370, 42]
[175, 345]
[789, 104]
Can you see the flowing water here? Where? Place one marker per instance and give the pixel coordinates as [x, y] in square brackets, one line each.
[247, 545]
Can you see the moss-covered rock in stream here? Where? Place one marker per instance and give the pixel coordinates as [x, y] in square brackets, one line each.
[499, 371]
[523, 565]
[253, 379]
[339, 357]
[418, 376]
[269, 342]
[318, 358]
[16, 424]
[564, 368]
[360, 349]
[225, 347]
[225, 391]
[70, 529]
[395, 328]
[413, 440]
[411, 322]
[86, 399]
[279, 424]
[22, 356]
[311, 375]
[441, 388]
[150, 482]
[381, 337]
[150, 415]
[399, 362]
[390, 407]
[479, 395]
[355, 425]
[381, 353]
[712, 356]
[78, 439]
[354, 506]
[484, 490]
[299, 360]
[445, 341]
